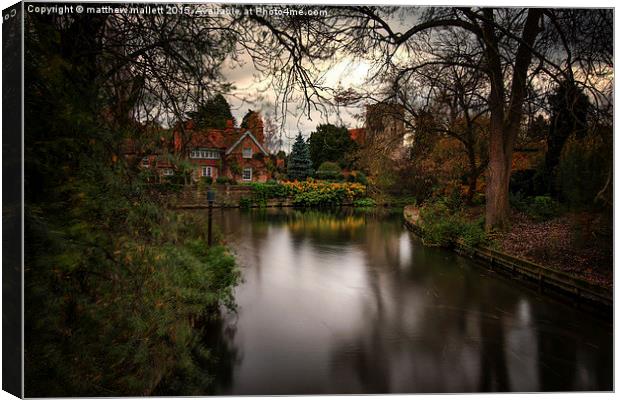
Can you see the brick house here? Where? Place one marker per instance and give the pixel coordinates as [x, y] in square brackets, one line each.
[235, 153]
[153, 156]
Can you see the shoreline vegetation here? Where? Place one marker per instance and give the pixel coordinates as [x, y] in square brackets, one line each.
[535, 249]
[308, 193]
[142, 295]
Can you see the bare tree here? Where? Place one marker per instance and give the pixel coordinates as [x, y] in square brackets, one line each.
[517, 48]
[273, 134]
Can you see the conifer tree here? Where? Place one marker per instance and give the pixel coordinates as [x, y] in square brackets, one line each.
[213, 113]
[300, 164]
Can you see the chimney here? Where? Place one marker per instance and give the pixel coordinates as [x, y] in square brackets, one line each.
[255, 125]
[178, 143]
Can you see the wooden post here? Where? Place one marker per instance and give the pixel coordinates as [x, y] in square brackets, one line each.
[210, 199]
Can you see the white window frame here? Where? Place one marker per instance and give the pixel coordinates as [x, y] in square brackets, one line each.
[246, 169]
[205, 154]
[207, 171]
[247, 152]
[167, 172]
[145, 162]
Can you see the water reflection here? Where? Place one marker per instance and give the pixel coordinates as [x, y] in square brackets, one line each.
[345, 302]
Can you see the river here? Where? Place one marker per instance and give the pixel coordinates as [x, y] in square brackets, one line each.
[351, 302]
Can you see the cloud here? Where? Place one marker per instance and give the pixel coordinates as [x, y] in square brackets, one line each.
[252, 90]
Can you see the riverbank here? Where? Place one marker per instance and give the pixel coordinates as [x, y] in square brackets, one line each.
[580, 244]
[544, 275]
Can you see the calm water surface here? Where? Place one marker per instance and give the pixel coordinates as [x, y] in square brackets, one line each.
[346, 302]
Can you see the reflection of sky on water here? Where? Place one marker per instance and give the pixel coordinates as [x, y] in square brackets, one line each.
[354, 304]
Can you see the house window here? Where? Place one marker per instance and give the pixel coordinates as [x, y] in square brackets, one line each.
[247, 174]
[207, 171]
[205, 154]
[168, 172]
[247, 152]
[145, 162]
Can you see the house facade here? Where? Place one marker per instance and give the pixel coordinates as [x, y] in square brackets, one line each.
[235, 153]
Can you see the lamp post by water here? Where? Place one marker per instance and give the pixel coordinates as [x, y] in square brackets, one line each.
[210, 199]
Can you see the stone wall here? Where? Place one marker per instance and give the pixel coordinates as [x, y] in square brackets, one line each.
[196, 197]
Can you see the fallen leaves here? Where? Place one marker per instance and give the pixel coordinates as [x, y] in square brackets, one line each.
[580, 244]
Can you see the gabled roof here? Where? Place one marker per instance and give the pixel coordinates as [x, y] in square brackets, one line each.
[247, 133]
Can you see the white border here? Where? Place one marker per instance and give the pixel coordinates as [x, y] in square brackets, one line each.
[506, 3]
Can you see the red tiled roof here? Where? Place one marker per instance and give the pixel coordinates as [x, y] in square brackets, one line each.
[211, 138]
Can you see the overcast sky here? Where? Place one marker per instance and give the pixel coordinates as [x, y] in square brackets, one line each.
[252, 91]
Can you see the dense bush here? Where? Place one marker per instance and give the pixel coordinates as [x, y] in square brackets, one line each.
[472, 233]
[442, 226]
[365, 202]
[329, 171]
[312, 193]
[518, 201]
[245, 202]
[543, 208]
[317, 199]
[266, 191]
[306, 194]
[222, 180]
[361, 177]
[357, 176]
[128, 291]
[179, 177]
[540, 208]
[583, 170]
[164, 187]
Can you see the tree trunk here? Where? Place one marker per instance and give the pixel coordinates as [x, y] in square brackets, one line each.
[498, 178]
[473, 173]
[505, 122]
